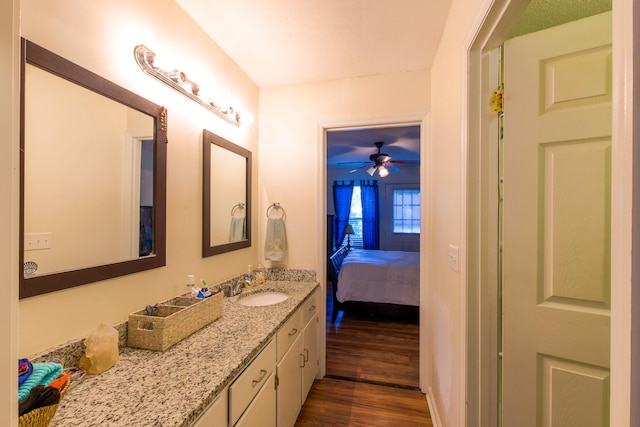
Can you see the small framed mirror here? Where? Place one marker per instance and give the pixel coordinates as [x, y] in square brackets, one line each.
[93, 177]
[226, 205]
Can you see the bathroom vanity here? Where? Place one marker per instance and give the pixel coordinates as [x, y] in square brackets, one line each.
[236, 368]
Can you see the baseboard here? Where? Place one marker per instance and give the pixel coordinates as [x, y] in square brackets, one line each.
[433, 410]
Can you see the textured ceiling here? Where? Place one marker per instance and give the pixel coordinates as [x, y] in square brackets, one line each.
[541, 14]
[281, 42]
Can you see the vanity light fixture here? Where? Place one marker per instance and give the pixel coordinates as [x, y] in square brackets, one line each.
[178, 80]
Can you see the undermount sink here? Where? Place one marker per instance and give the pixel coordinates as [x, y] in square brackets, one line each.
[262, 298]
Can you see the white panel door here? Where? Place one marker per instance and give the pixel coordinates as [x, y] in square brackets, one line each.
[556, 243]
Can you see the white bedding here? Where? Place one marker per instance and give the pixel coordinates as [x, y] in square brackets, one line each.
[380, 276]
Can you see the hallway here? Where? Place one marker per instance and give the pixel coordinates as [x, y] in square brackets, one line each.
[372, 374]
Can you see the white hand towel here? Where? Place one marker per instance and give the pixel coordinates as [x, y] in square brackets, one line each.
[237, 229]
[275, 248]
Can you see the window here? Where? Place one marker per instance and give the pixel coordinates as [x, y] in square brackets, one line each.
[355, 219]
[406, 211]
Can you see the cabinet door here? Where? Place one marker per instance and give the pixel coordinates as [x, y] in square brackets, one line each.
[310, 353]
[289, 402]
[262, 411]
[250, 381]
[216, 414]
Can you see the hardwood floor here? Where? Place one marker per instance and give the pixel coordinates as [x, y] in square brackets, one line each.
[375, 351]
[380, 349]
[372, 374]
[333, 402]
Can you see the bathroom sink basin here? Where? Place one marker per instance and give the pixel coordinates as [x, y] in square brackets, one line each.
[263, 298]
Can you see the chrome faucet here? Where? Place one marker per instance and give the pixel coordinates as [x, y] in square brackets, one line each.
[233, 290]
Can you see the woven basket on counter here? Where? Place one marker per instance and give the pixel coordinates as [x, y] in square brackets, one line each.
[41, 417]
[175, 320]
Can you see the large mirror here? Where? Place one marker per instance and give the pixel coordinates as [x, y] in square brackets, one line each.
[93, 181]
[226, 207]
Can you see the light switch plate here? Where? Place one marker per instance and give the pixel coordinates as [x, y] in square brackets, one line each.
[453, 257]
[34, 241]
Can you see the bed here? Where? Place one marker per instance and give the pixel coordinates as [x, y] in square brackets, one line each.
[374, 276]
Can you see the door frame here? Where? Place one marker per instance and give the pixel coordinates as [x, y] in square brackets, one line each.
[488, 32]
[323, 127]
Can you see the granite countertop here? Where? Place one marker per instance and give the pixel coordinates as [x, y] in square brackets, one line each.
[173, 388]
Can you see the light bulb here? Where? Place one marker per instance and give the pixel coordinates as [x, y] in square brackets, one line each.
[382, 171]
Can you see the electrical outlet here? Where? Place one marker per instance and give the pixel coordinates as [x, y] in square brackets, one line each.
[453, 257]
[35, 241]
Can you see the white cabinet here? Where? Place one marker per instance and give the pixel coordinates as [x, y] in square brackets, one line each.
[310, 356]
[216, 414]
[297, 361]
[270, 391]
[253, 391]
[289, 384]
[262, 410]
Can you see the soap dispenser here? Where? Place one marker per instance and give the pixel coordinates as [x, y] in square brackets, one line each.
[248, 277]
[259, 274]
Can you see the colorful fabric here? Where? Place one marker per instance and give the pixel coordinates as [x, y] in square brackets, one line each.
[43, 374]
[25, 368]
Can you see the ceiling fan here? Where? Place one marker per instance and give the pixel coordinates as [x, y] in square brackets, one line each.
[381, 162]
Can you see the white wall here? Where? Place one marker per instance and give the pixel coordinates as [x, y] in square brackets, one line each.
[292, 165]
[446, 163]
[101, 37]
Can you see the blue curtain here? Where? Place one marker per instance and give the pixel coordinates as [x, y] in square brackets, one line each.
[370, 221]
[342, 204]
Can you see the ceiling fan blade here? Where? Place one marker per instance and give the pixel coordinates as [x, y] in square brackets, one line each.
[405, 162]
[347, 164]
[358, 168]
[392, 167]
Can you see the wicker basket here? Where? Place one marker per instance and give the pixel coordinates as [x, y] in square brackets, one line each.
[175, 320]
[41, 417]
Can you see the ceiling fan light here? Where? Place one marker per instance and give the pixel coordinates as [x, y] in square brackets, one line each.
[372, 170]
[383, 171]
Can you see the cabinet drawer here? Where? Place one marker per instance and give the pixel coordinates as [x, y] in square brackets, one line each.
[288, 333]
[262, 411]
[216, 414]
[309, 308]
[249, 383]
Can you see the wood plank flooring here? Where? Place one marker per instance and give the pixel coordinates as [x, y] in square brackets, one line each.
[378, 348]
[333, 402]
[372, 374]
[374, 350]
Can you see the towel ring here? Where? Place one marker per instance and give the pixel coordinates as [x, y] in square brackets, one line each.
[276, 206]
[239, 206]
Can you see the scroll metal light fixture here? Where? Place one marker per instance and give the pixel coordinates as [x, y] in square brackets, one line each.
[178, 80]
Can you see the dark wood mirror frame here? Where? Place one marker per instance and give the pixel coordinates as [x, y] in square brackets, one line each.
[48, 61]
[209, 138]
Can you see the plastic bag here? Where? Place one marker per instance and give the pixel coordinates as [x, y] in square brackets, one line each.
[101, 350]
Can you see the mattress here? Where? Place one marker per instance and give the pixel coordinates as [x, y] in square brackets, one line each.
[380, 276]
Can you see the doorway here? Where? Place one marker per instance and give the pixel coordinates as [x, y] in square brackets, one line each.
[370, 341]
[485, 349]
